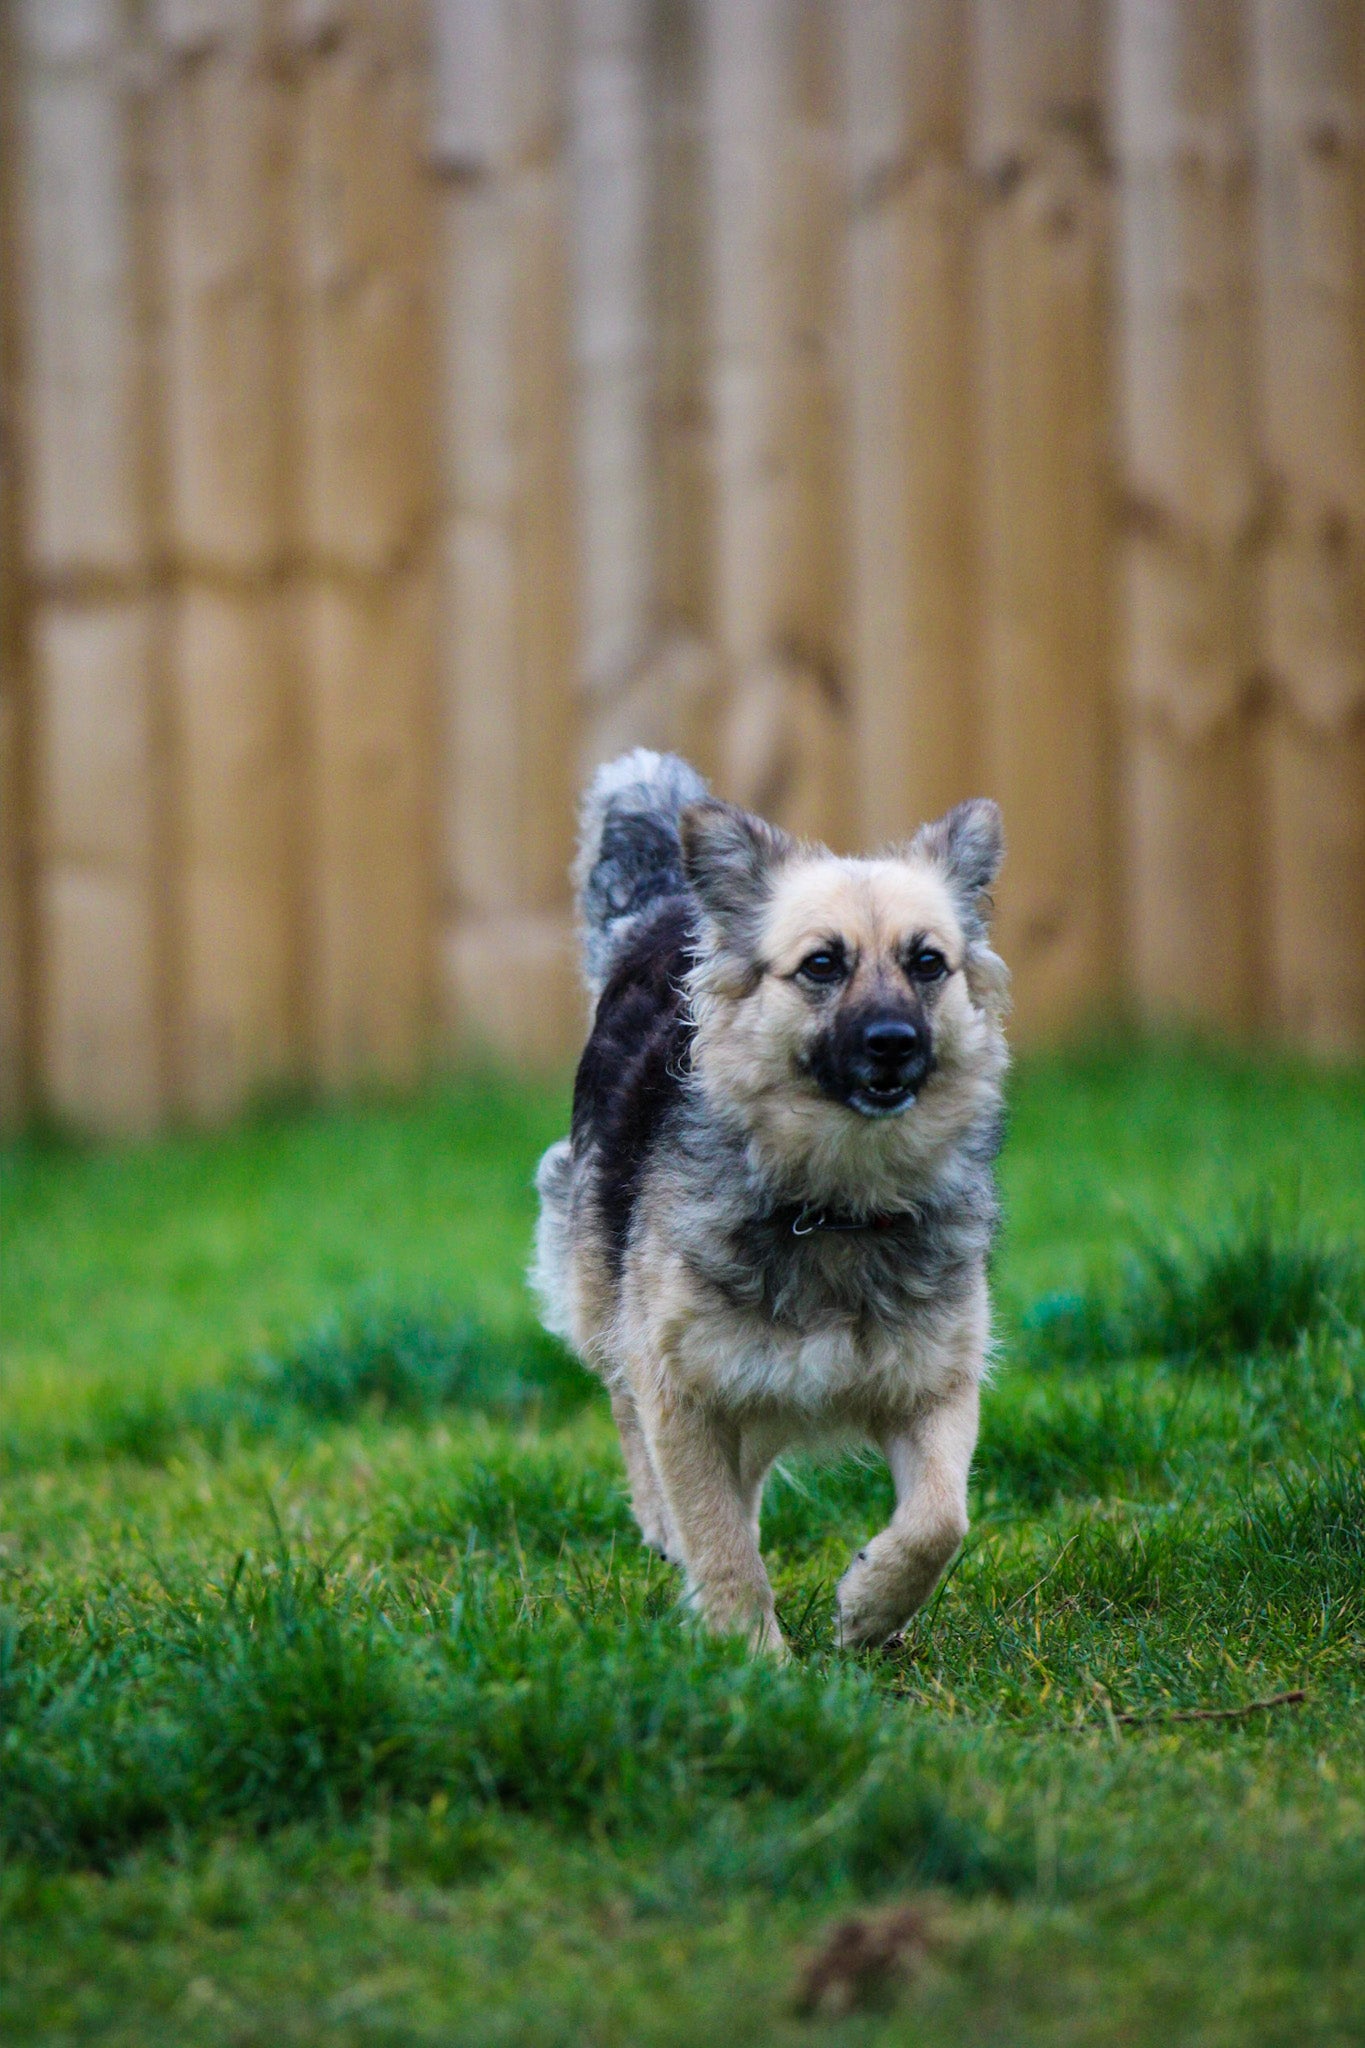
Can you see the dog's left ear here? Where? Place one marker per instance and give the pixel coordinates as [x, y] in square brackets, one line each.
[967, 845]
[729, 857]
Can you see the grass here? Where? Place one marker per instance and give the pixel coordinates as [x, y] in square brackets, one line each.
[341, 1705]
[1256, 1286]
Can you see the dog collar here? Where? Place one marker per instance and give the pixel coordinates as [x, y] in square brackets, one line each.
[806, 1219]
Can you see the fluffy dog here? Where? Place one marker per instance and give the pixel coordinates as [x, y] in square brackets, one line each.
[770, 1223]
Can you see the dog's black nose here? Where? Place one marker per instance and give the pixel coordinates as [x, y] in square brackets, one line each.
[891, 1041]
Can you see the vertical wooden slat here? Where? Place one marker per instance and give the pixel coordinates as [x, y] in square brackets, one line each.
[96, 784]
[219, 151]
[776, 495]
[1191, 505]
[1310, 102]
[362, 244]
[817, 626]
[784, 740]
[1042, 399]
[611, 222]
[908, 265]
[646, 679]
[235, 885]
[508, 637]
[81, 346]
[368, 651]
[362, 396]
[684, 446]
[543, 528]
[13, 932]
[16, 951]
[750, 91]
[88, 557]
[13, 993]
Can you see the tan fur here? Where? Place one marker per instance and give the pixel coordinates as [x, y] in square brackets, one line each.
[705, 1403]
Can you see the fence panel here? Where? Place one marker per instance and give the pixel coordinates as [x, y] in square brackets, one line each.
[508, 659]
[1310, 117]
[408, 403]
[16, 979]
[1192, 507]
[785, 745]
[909, 212]
[358, 267]
[1043, 410]
[94, 630]
[220, 271]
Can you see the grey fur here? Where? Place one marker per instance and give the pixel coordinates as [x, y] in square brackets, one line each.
[729, 858]
[733, 1227]
[550, 1267]
[629, 856]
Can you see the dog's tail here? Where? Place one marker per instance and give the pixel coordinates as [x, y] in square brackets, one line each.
[629, 853]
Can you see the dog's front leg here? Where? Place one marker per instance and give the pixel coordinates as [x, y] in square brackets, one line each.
[697, 1456]
[646, 1494]
[899, 1569]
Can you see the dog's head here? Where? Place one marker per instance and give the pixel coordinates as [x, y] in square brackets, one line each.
[850, 1010]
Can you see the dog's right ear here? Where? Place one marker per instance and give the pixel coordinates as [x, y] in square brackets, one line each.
[729, 858]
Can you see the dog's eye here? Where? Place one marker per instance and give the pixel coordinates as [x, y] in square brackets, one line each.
[824, 966]
[928, 964]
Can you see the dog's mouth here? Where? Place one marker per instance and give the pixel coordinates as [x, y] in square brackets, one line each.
[882, 1098]
[877, 1079]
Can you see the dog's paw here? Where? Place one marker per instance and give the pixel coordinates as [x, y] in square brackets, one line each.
[756, 1625]
[657, 1532]
[871, 1602]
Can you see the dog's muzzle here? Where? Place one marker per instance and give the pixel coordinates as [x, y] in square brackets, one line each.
[876, 1063]
[891, 1065]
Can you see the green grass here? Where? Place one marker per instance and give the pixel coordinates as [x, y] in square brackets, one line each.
[341, 1704]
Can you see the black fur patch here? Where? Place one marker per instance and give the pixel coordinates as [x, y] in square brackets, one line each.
[838, 1061]
[639, 862]
[630, 1075]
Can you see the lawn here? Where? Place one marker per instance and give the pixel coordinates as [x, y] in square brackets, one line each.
[342, 1705]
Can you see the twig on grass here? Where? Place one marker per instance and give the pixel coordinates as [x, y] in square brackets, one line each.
[1038, 1584]
[1146, 1719]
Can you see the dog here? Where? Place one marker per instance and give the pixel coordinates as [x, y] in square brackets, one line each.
[770, 1223]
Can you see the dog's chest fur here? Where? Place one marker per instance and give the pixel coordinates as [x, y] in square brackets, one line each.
[701, 1252]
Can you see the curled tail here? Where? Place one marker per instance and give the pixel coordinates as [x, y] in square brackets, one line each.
[629, 854]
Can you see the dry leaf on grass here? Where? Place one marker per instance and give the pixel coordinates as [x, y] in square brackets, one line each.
[863, 1961]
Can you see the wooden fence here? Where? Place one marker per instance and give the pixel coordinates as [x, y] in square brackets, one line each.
[408, 402]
